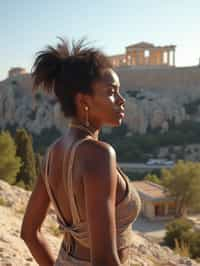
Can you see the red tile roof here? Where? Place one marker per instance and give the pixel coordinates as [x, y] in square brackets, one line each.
[150, 190]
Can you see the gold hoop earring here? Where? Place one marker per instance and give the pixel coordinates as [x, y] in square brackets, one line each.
[86, 116]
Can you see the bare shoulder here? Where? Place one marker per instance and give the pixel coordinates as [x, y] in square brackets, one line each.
[96, 147]
[96, 153]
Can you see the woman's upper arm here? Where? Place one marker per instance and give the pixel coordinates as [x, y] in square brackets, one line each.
[100, 184]
[37, 208]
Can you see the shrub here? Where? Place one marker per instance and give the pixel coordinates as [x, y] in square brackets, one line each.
[25, 151]
[177, 229]
[195, 245]
[182, 248]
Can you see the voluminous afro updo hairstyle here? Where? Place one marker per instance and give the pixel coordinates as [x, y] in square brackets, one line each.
[67, 70]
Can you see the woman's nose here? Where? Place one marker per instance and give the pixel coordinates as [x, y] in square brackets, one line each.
[121, 99]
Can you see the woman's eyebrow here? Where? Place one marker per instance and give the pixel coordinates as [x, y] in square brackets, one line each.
[113, 85]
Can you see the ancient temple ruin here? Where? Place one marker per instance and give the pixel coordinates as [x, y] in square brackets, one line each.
[145, 54]
[16, 71]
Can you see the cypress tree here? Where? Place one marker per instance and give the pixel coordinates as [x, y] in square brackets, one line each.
[9, 163]
[27, 173]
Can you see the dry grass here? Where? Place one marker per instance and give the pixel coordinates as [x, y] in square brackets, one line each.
[3, 202]
[54, 230]
[20, 210]
[182, 248]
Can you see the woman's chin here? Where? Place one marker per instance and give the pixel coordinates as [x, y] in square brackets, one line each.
[117, 123]
[114, 123]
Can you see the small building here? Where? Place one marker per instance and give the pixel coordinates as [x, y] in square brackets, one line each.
[145, 54]
[16, 71]
[156, 204]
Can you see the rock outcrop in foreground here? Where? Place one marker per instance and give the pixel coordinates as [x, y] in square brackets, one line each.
[13, 251]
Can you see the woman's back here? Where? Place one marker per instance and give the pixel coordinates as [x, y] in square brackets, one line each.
[60, 154]
[59, 151]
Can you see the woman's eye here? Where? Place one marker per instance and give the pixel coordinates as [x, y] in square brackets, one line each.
[113, 91]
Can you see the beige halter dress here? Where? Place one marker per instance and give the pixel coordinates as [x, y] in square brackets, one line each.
[127, 212]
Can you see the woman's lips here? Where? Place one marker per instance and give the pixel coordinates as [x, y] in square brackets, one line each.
[121, 114]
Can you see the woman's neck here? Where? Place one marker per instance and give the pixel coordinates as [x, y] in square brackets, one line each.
[91, 130]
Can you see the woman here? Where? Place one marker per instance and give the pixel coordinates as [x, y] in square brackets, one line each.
[93, 199]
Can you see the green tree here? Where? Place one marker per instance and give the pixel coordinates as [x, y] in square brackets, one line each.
[153, 178]
[183, 182]
[38, 163]
[27, 173]
[9, 162]
[195, 245]
[182, 238]
[177, 230]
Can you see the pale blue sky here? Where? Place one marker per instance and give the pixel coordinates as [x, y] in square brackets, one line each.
[28, 26]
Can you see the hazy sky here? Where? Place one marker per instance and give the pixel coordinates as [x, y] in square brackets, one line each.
[28, 26]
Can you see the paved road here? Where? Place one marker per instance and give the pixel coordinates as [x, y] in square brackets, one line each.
[131, 166]
[155, 229]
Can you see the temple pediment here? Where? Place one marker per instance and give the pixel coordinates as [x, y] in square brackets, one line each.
[144, 45]
[145, 54]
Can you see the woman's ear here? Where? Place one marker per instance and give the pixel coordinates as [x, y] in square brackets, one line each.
[82, 100]
[78, 100]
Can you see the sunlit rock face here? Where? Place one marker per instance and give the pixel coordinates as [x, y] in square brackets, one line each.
[150, 109]
[146, 109]
[34, 111]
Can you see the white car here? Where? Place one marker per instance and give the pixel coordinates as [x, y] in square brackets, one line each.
[152, 162]
[169, 162]
[159, 162]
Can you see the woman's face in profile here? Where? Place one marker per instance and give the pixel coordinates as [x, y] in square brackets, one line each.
[107, 104]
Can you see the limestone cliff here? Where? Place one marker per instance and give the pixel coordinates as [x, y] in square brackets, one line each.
[20, 106]
[145, 108]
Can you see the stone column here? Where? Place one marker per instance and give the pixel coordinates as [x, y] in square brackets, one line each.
[142, 58]
[161, 57]
[132, 59]
[173, 57]
[168, 58]
[139, 57]
[136, 58]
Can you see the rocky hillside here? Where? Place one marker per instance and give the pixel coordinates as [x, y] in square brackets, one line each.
[153, 108]
[13, 251]
[20, 107]
[145, 109]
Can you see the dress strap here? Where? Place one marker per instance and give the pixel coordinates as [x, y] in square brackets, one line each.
[67, 179]
[49, 157]
[68, 239]
[123, 174]
[126, 179]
